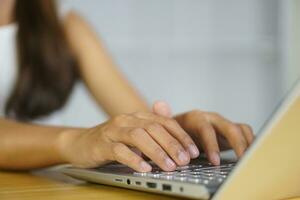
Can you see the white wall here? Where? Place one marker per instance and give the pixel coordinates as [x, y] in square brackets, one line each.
[215, 55]
[291, 35]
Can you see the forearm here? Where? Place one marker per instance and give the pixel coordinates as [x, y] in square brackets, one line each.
[27, 146]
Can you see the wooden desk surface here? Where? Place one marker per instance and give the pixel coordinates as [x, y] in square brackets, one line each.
[51, 185]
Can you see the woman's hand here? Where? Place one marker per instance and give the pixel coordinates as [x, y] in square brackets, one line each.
[211, 131]
[159, 138]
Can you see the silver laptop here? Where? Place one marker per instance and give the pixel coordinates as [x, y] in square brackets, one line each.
[258, 175]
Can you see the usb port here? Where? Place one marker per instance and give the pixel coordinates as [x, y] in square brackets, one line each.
[118, 180]
[166, 187]
[138, 183]
[151, 185]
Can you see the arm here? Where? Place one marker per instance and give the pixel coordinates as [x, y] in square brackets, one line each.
[27, 146]
[110, 89]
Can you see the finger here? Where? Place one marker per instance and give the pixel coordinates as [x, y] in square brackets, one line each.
[168, 143]
[175, 130]
[162, 108]
[139, 138]
[208, 139]
[122, 154]
[231, 132]
[248, 133]
[136, 151]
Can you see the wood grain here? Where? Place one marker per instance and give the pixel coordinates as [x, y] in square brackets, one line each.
[51, 185]
[48, 185]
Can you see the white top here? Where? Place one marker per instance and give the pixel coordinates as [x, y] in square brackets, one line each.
[8, 65]
[9, 69]
[71, 114]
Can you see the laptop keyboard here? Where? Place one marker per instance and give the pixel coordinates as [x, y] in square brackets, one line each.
[206, 174]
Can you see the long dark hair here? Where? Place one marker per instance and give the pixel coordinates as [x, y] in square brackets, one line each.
[47, 66]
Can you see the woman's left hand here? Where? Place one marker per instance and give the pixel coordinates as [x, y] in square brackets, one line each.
[211, 131]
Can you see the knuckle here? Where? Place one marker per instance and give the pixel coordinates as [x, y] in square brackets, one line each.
[170, 122]
[215, 114]
[153, 126]
[159, 153]
[235, 130]
[194, 113]
[205, 129]
[248, 127]
[186, 139]
[199, 115]
[173, 145]
[136, 133]
[237, 136]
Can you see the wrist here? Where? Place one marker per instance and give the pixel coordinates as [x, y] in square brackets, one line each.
[65, 141]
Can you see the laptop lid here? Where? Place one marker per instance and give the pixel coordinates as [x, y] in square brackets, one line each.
[271, 167]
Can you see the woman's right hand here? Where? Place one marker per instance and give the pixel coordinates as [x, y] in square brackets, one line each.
[159, 138]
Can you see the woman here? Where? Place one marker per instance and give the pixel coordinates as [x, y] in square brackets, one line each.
[52, 54]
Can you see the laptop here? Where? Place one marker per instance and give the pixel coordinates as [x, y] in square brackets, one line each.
[270, 169]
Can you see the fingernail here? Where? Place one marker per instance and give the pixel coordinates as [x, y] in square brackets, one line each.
[183, 157]
[145, 166]
[215, 158]
[170, 163]
[193, 151]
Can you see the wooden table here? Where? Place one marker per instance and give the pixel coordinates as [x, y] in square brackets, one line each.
[52, 185]
[44, 185]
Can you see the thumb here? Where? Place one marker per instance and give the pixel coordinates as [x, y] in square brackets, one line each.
[162, 108]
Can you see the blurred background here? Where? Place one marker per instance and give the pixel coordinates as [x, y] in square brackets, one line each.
[234, 57]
